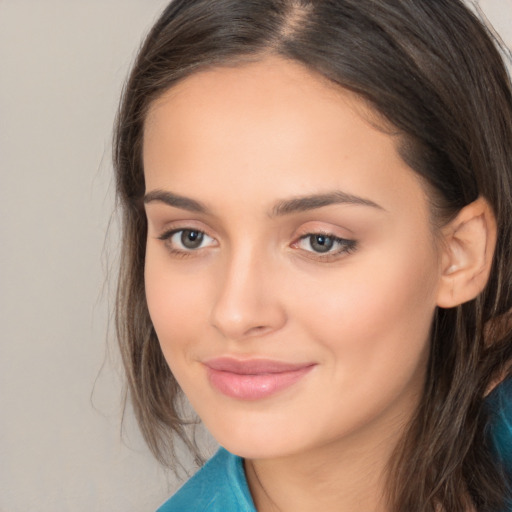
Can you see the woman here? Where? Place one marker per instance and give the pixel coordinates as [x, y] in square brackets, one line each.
[316, 251]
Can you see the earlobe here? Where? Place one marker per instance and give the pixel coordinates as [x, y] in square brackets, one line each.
[467, 254]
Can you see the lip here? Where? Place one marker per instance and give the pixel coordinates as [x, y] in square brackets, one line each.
[253, 379]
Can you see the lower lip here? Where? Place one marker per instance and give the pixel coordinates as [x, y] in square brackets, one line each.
[254, 387]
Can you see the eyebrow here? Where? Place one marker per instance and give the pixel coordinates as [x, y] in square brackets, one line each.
[182, 202]
[281, 208]
[312, 202]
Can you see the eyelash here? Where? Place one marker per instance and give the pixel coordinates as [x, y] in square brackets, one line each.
[182, 252]
[346, 246]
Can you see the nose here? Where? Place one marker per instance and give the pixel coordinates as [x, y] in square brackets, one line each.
[248, 301]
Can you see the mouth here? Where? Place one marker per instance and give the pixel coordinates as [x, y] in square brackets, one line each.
[253, 379]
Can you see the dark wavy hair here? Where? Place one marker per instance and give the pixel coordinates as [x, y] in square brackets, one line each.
[434, 71]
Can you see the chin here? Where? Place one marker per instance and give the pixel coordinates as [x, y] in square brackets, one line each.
[257, 449]
[259, 439]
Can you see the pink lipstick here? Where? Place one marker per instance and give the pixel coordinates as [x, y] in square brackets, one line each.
[253, 379]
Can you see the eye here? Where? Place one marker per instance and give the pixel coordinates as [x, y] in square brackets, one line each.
[186, 240]
[325, 244]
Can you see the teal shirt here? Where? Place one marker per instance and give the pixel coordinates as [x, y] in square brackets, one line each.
[500, 403]
[220, 485]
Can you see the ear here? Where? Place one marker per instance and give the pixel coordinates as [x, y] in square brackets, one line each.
[467, 254]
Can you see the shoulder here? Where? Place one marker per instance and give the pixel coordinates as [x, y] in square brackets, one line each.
[219, 486]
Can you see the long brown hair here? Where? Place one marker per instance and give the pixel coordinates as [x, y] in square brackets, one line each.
[434, 72]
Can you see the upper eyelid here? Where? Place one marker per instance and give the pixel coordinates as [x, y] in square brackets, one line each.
[181, 225]
[322, 232]
[172, 231]
[331, 233]
[325, 228]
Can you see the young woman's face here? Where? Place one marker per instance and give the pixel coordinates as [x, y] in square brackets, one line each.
[291, 269]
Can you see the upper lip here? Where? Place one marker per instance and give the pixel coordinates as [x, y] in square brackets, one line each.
[253, 366]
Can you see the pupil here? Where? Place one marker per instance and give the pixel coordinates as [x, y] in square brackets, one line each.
[321, 243]
[191, 239]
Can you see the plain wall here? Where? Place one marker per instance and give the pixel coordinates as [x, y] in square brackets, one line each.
[62, 65]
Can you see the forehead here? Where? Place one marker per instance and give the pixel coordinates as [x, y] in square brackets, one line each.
[269, 123]
[272, 83]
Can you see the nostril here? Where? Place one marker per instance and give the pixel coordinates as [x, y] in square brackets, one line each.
[258, 330]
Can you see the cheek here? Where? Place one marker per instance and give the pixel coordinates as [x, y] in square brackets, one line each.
[378, 308]
[373, 325]
[176, 306]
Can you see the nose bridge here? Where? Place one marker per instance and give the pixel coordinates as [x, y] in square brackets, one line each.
[247, 302]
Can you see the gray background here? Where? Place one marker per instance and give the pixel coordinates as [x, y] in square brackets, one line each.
[62, 65]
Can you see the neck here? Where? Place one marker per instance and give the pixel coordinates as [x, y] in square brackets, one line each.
[341, 476]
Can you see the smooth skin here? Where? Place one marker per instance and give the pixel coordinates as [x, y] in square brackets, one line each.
[284, 225]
